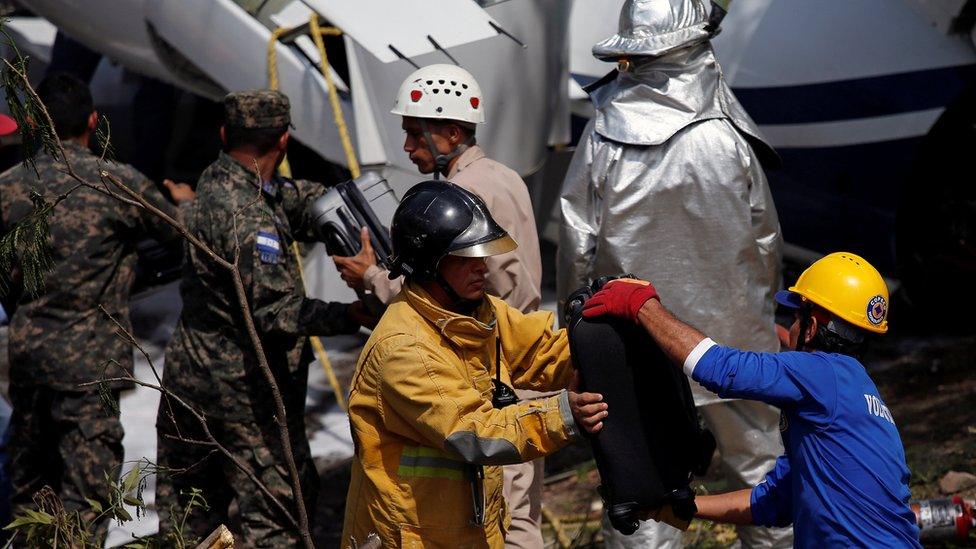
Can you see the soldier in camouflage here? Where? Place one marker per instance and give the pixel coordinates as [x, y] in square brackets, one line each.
[63, 435]
[243, 208]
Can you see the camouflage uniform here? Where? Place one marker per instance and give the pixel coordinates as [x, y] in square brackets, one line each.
[63, 435]
[210, 361]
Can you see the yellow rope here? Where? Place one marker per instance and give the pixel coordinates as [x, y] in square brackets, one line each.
[317, 32]
[273, 58]
[340, 120]
[284, 168]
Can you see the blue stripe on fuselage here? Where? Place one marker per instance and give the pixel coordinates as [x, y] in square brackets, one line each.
[857, 98]
[848, 99]
[832, 198]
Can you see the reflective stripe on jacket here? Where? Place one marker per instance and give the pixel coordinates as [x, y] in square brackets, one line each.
[422, 419]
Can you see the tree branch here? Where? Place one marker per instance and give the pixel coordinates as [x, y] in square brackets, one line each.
[281, 416]
[134, 198]
[211, 440]
[130, 338]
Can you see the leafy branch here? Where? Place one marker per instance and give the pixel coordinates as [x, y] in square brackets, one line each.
[23, 106]
[28, 244]
[170, 398]
[49, 524]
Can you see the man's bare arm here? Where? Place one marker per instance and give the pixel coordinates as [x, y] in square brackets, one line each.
[675, 338]
[730, 508]
[637, 301]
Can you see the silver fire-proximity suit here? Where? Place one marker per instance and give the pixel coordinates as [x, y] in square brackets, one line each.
[666, 183]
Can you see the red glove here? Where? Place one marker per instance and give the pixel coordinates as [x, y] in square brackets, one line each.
[622, 297]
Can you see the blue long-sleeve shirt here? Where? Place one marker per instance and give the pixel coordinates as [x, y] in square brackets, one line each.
[843, 481]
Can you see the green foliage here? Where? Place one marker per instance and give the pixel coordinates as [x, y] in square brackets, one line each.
[32, 120]
[177, 536]
[50, 525]
[27, 247]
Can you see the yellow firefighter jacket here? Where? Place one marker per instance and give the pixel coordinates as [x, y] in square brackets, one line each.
[424, 427]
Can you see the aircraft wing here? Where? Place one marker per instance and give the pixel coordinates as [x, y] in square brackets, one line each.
[380, 26]
[230, 46]
[523, 89]
[34, 36]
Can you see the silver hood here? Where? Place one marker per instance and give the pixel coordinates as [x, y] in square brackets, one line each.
[658, 96]
[655, 27]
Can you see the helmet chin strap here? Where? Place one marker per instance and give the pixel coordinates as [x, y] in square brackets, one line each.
[442, 160]
[806, 313]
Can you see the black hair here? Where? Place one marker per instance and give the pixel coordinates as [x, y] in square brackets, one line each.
[834, 336]
[260, 139]
[828, 341]
[467, 128]
[69, 102]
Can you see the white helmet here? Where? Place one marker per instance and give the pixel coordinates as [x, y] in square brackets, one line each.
[444, 92]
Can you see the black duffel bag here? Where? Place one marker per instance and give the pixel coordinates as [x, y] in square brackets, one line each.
[652, 441]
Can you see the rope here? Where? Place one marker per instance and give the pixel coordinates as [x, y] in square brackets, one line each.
[273, 57]
[317, 32]
[284, 168]
[340, 120]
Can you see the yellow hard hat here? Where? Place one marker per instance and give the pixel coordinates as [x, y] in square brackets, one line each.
[846, 285]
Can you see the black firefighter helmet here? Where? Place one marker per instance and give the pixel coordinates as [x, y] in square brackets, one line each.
[436, 219]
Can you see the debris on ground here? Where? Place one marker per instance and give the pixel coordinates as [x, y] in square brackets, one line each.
[954, 482]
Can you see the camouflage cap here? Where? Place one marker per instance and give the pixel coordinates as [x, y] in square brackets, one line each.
[257, 109]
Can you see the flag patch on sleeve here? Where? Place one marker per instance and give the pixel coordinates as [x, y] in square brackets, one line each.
[269, 247]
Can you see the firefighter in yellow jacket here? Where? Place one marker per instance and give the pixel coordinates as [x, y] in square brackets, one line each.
[432, 408]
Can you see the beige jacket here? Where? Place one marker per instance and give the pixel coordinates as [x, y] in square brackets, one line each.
[516, 276]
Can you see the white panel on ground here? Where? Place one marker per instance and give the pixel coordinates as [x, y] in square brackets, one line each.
[154, 315]
[328, 426]
[377, 24]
